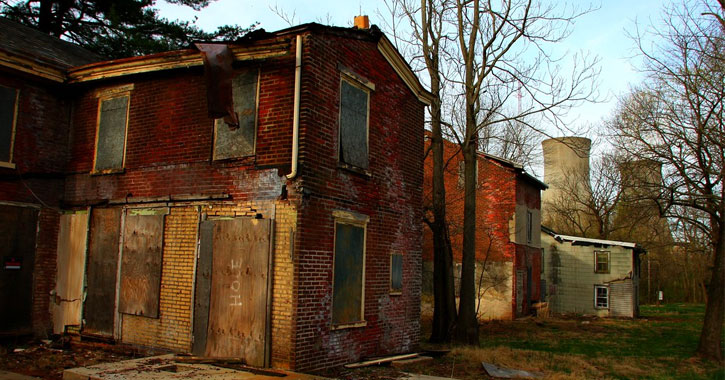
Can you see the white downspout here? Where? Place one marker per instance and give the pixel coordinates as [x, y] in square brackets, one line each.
[296, 116]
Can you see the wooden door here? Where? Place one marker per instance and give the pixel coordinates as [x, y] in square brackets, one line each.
[99, 309]
[19, 226]
[70, 268]
[232, 279]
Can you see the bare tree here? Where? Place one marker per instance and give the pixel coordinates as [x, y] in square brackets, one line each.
[676, 118]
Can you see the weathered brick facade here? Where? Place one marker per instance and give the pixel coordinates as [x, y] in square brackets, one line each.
[507, 256]
[168, 165]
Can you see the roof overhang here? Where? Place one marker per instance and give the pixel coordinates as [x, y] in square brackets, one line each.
[401, 67]
[32, 67]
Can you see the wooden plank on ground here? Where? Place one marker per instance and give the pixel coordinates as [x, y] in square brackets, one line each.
[70, 267]
[141, 265]
[237, 314]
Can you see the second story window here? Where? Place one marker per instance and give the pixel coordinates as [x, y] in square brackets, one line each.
[529, 226]
[238, 141]
[111, 133]
[601, 262]
[354, 109]
[8, 112]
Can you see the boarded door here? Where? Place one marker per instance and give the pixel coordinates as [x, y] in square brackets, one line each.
[237, 251]
[141, 265]
[19, 226]
[70, 265]
[100, 307]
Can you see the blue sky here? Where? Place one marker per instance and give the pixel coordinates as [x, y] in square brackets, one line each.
[601, 32]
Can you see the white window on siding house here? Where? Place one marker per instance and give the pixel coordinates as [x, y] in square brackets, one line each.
[348, 278]
[354, 118]
[601, 297]
[601, 261]
[239, 141]
[8, 117]
[111, 130]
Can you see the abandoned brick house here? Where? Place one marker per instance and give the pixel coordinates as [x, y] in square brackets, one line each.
[508, 223]
[285, 233]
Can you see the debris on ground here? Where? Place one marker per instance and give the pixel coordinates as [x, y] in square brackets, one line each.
[509, 373]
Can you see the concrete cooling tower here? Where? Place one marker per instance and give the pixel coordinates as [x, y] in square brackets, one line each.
[566, 171]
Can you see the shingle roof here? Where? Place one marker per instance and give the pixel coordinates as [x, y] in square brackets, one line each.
[23, 41]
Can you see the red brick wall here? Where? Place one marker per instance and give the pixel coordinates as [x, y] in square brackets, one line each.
[39, 155]
[169, 143]
[390, 196]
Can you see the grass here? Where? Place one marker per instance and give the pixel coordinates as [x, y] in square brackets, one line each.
[658, 346]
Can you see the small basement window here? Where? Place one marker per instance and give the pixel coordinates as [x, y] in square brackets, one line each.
[111, 131]
[601, 297]
[348, 279]
[601, 261]
[354, 110]
[8, 115]
[396, 273]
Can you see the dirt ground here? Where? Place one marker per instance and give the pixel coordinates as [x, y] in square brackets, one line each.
[48, 359]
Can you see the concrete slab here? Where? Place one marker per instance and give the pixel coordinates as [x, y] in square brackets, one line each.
[4, 375]
[165, 367]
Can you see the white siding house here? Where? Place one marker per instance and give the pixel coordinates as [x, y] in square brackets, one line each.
[590, 276]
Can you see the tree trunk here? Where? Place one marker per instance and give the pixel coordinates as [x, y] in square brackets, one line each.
[444, 303]
[710, 345]
[466, 330]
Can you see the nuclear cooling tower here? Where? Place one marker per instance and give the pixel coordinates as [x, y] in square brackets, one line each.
[566, 171]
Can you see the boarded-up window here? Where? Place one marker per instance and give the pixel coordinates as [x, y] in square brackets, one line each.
[601, 297]
[601, 262]
[111, 135]
[396, 273]
[233, 141]
[8, 106]
[353, 125]
[141, 265]
[349, 273]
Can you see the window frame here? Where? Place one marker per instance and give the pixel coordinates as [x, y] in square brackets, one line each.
[101, 96]
[220, 121]
[596, 296]
[357, 81]
[357, 220]
[597, 253]
[529, 226]
[9, 164]
[395, 291]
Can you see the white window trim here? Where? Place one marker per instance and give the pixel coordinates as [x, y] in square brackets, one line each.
[9, 164]
[364, 85]
[596, 287]
[358, 220]
[103, 95]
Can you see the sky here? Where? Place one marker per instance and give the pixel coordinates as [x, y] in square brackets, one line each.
[601, 32]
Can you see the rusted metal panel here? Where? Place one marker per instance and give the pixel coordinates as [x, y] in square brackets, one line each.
[101, 269]
[218, 73]
[17, 250]
[353, 125]
[203, 287]
[348, 277]
[70, 266]
[238, 141]
[141, 265]
[237, 314]
[111, 139]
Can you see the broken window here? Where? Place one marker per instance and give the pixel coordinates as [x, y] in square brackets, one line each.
[8, 111]
[349, 270]
[601, 262]
[529, 226]
[111, 134]
[235, 141]
[601, 296]
[141, 262]
[396, 273]
[354, 107]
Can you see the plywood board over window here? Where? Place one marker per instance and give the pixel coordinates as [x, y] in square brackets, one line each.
[141, 264]
[354, 107]
[238, 141]
[111, 134]
[396, 273]
[348, 287]
[8, 115]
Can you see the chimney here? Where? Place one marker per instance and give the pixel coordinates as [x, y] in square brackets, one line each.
[362, 22]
